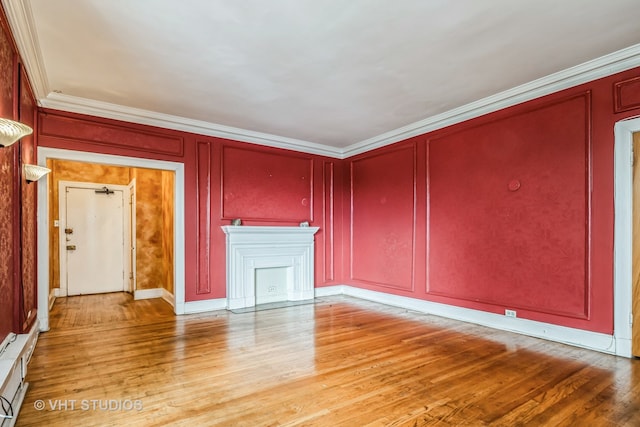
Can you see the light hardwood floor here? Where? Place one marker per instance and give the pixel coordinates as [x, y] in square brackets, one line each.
[112, 361]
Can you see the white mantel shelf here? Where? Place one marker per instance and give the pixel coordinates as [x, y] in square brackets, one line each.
[254, 247]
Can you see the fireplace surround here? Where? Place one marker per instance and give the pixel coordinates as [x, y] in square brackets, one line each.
[250, 248]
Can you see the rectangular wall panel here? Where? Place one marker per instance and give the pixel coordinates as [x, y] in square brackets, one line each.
[328, 220]
[203, 223]
[383, 218]
[626, 95]
[265, 186]
[509, 210]
[69, 128]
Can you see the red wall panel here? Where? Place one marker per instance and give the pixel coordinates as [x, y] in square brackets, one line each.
[28, 197]
[203, 191]
[509, 210]
[84, 130]
[383, 218]
[8, 196]
[258, 185]
[626, 94]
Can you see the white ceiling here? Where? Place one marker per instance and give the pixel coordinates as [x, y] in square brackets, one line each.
[333, 77]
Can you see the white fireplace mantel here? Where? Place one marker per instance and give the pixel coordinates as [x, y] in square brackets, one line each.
[253, 247]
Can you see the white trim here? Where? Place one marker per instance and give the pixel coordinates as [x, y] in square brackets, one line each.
[607, 65]
[154, 293]
[192, 307]
[615, 62]
[45, 153]
[572, 336]
[75, 104]
[169, 297]
[53, 294]
[21, 21]
[148, 293]
[254, 247]
[623, 234]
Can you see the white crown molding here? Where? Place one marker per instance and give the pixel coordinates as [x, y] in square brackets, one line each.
[22, 26]
[607, 65]
[74, 104]
[21, 21]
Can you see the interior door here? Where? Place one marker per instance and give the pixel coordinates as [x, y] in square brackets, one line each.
[635, 305]
[94, 244]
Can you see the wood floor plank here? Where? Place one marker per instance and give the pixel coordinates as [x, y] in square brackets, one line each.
[340, 362]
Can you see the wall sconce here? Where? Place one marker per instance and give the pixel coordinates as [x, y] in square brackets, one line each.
[11, 131]
[33, 173]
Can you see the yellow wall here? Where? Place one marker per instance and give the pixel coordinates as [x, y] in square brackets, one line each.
[154, 217]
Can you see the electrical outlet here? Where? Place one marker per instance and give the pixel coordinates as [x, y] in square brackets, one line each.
[271, 289]
[510, 313]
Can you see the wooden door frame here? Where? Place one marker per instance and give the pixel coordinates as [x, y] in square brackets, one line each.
[46, 153]
[62, 211]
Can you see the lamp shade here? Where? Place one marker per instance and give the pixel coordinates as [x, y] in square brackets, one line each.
[34, 172]
[11, 131]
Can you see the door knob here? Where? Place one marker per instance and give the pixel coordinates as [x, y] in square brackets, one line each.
[71, 247]
[68, 231]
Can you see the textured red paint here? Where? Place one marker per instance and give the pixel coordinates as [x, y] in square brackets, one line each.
[626, 94]
[383, 218]
[203, 185]
[101, 133]
[28, 295]
[512, 245]
[8, 196]
[265, 186]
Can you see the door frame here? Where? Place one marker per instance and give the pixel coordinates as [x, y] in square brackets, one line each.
[62, 218]
[46, 153]
[132, 281]
[623, 235]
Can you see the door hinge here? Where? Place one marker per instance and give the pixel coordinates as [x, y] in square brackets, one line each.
[630, 318]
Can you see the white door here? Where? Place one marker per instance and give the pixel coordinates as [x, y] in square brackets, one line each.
[93, 239]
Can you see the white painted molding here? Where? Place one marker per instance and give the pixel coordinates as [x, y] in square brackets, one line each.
[251, 248]
[52, 297]
[169, 297]
[148, 293]
[607, 65]
[623, 233]
[74, 104]
[191, 307]
[21, 21]
[22, 26]
[571, 336]
[45, 153]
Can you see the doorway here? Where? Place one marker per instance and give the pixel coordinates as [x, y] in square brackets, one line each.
[45, 154]
[94, 238]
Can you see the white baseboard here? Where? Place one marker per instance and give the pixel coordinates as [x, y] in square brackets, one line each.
[148, 293]
[191, 307]
[52, 298]
[572, 336]
[154, 293]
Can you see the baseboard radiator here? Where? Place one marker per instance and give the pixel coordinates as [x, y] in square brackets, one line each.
[15, 354]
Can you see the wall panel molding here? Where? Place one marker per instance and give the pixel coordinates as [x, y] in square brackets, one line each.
[264, 186]
[626, 95]
[328, 217]
[203, 222]
[383, 202]
[509, 210]
[87, 130]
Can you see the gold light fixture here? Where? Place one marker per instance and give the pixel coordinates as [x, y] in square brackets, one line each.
[11, 131]
[33, 173]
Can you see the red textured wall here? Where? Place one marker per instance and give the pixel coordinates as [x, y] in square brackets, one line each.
[383, 218]
[518, 209]
[223, 180]
[7, 192]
